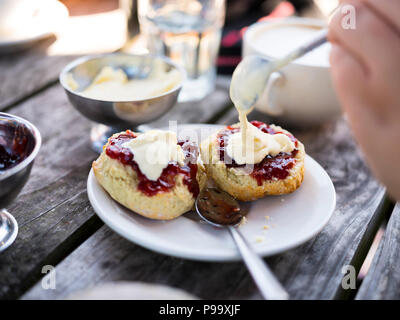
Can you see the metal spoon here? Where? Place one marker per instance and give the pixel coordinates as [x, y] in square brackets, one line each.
[222, 211]
[251, 75]
[137, 72]
[141, 71]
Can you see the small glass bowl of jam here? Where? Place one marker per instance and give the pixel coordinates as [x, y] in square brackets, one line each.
[19, 145]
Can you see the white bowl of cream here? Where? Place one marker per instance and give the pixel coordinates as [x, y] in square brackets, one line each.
[302, 92]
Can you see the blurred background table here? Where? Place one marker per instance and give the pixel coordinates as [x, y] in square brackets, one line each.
[58, 226]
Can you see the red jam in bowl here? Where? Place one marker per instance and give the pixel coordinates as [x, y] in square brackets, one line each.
[270, 167]
[8, 159]
[15, 144]
[166, 181]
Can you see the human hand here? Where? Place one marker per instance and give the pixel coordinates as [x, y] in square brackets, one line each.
[365, 66]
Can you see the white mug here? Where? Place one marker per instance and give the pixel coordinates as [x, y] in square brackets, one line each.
[302, 92]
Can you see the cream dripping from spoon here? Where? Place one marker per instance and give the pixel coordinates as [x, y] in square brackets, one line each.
[251, 145]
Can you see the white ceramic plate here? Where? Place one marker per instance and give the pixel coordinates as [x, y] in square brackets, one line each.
[24, 22]
[125, 290]
[293, 219]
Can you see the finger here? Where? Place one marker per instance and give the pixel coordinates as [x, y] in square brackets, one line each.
[335, 35]
[388, 9]
[370, 39]
[352, 86]
[348, 77]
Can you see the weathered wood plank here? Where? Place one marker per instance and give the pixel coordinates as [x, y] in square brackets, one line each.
[26, 72]
[383, 278]
[311, 271]
[58, 178]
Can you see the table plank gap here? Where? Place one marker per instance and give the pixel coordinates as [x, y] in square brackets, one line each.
[28, 95]
[383, 212]
[382, 281]
[85, 231]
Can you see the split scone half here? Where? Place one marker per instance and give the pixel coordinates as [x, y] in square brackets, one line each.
[274, 175]
[167, 197]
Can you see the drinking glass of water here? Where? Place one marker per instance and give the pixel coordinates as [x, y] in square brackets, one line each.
[188, 32]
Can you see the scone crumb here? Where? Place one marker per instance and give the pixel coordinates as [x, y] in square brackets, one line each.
[260, 239]
[266, 227]
[242, 222]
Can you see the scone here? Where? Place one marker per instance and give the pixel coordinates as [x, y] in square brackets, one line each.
[170, 195]
[274, 175]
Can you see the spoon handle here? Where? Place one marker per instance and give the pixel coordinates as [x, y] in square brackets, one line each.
[265, 280]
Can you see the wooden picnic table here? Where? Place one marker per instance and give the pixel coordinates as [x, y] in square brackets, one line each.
[58, 226]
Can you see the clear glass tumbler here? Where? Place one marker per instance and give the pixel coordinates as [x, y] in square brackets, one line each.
[189, 32]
